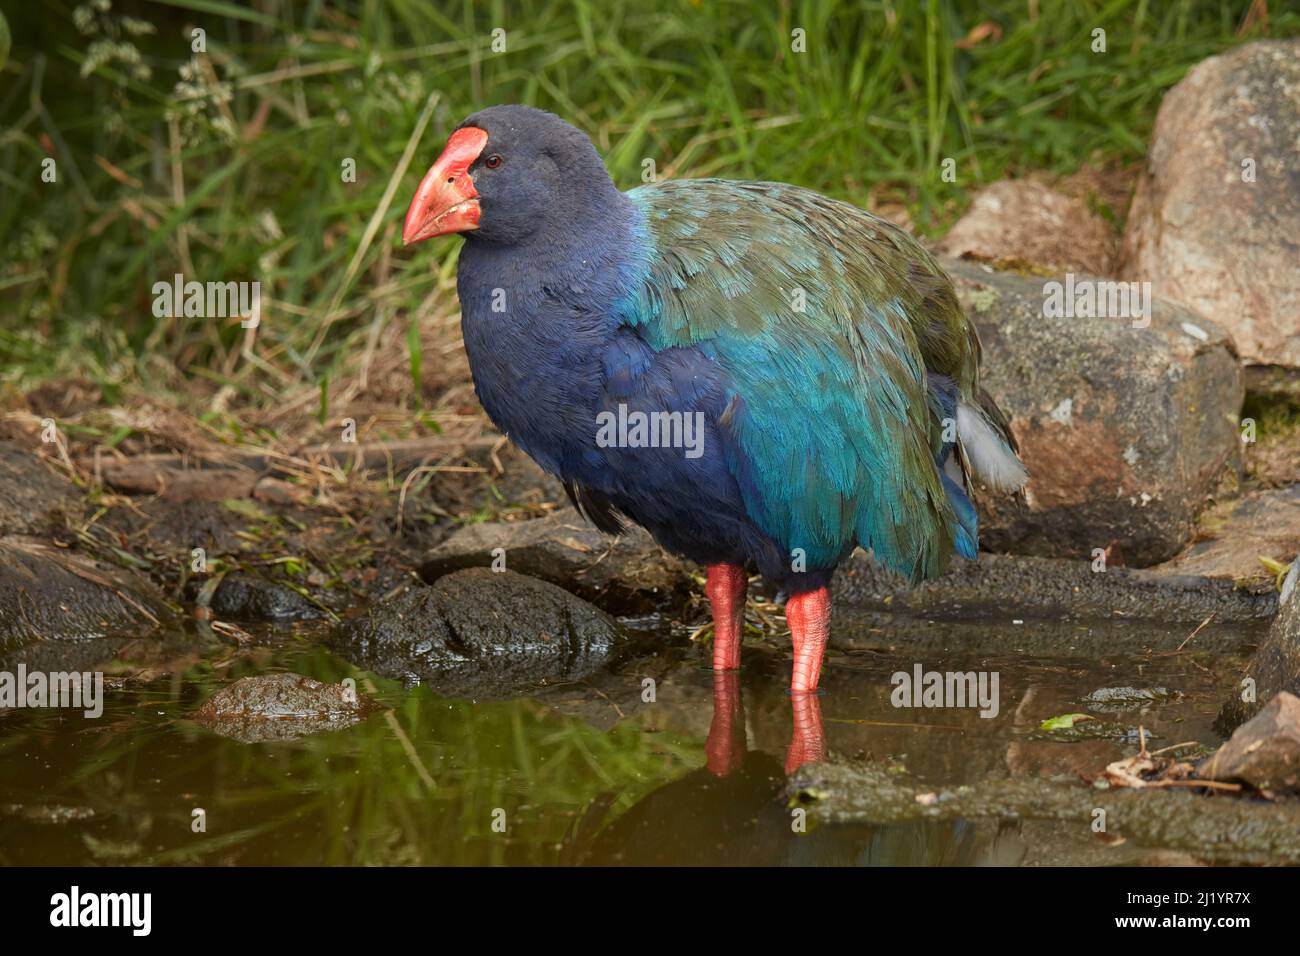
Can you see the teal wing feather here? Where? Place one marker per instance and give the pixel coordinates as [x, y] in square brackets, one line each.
[826, 320]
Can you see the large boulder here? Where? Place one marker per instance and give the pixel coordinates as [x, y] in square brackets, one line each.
[1215, 222]
[1022, 220]
[482, 633]
[1125, 423]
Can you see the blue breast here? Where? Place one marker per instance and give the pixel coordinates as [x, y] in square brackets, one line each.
[550, 357]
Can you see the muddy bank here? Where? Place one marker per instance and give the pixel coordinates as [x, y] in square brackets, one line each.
[627, 574]
[1227, 829]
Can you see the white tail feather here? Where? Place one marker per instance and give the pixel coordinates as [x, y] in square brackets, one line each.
[993, 462]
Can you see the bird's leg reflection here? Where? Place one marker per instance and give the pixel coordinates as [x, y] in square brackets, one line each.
[808, 739]
[725, 747]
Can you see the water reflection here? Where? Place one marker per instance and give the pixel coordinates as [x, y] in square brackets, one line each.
[726, 744]
[731, 811]
[579, 774]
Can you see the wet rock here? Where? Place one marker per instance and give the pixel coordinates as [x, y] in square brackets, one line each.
[627, 574]
[1008, 586]
[32, 496]
[1025, 221]
[246, 597]
[1215, 218]
[1125, 430]
[282, 707]
[1233, 535]
[1125, 698]
[1263, 752]
[1274, 667]
[479, 632]
[48, 594]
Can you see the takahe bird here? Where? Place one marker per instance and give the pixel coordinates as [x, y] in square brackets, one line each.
[810, 381]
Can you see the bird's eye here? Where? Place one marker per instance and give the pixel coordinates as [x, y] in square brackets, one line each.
[493, 161]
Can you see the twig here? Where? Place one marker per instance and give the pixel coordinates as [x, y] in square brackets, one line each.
[1207, 620]
[403, 739]
[401, 498]
[890, 723]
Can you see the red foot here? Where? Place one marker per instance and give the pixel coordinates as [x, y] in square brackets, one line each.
[808, 740]
[725, 747]
[726, 592]
[809, 617]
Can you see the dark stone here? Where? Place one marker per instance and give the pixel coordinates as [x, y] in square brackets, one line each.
[479, 632]
[1218, 828]
[246, 597]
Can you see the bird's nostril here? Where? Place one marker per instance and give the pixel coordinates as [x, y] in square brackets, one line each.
[451, 179]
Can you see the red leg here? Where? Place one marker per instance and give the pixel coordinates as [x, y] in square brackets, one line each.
[726, 592]
[725, 747]
[809, 617]
[807, 740]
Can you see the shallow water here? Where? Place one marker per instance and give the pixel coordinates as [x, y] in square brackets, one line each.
[594, 772]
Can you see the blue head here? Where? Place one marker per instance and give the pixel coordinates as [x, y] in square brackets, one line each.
[514, 176]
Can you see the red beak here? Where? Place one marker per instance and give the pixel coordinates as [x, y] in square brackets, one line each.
[447, 201]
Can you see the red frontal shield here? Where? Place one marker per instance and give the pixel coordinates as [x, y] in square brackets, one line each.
[447, 201]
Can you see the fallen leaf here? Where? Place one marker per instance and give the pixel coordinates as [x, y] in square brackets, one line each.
[1064, 722]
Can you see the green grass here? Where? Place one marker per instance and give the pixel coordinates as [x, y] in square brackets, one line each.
[235, 173]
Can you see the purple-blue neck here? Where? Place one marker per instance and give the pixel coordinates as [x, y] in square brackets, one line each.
[537, 318]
